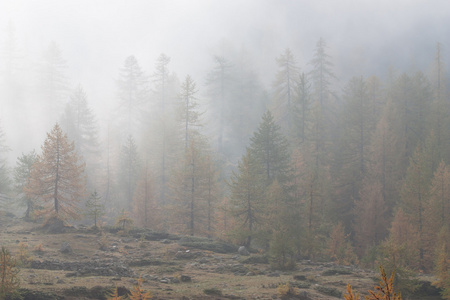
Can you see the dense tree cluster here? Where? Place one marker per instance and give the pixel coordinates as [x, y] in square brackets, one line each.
[301, 169]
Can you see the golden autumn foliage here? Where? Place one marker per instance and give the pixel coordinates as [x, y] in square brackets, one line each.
[138, 293]
[340, 248]
[57, 179]
[383, 291]
[9, 280]
[115, 294]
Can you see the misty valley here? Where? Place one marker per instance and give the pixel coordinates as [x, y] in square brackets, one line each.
[284, 178]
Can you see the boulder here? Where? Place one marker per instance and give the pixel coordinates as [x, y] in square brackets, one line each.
[243, 251]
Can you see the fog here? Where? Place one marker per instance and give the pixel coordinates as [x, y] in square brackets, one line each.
[95, 37]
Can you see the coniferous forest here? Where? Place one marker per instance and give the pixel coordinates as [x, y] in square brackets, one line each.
[306, 162]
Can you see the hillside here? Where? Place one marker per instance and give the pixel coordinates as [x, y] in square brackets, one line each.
[80, 263]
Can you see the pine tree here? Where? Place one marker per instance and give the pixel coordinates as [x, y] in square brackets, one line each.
[22, 173]
[56, 178]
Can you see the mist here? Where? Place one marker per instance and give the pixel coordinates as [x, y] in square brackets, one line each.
[364, 38]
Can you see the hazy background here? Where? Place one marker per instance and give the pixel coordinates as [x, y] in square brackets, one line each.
[95, 37]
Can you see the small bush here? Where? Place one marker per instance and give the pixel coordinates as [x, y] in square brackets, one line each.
[332, 272]
[328, 291]
[213, 292]
[256, 259]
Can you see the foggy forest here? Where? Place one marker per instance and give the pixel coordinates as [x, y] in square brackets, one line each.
[301, 130]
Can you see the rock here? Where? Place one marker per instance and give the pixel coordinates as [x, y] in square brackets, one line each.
[184, 255]
[185, 278]
[175, 280]
[300, 277]
[243, 251]
[65, 248]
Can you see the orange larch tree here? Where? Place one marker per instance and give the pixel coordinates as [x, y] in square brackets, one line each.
[57, 179]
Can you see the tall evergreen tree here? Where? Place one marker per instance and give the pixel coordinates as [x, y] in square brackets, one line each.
[190, 116]
[270, 147]
[247, 188]
[81, 127]
[130, 166]
[284, 89]
[302, 108]
[145, 208]
[220, 81]
[133, 95]
[351, 157]
[414, 196]
[193, 189]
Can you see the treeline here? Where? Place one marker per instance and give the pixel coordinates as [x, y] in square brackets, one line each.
[300, 169]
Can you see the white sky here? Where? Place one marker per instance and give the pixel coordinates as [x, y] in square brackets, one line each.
[96, 36]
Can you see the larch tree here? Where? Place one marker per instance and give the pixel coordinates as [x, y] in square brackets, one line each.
[437, 211]
[193, 190]
[146, 211]
[133, 94]
[130, 168]
[163, 135]
[247, 196]
[351, 157]
[321, 73]
[284, 86]
[95, 209]
[190, 116]
[22, 173]
[57, 177]
[302, 108]
[219, 82]
[414, 197]
[80, 124]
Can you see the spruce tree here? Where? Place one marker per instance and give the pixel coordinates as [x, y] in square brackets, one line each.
[270, 147]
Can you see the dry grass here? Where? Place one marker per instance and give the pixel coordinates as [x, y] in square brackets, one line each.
[202, 268]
